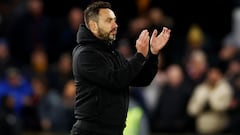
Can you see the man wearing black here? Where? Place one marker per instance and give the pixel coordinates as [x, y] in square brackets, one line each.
[103, 76]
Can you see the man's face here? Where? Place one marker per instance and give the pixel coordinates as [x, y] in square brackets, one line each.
[107, 26]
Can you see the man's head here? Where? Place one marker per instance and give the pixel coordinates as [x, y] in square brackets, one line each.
[101, 20]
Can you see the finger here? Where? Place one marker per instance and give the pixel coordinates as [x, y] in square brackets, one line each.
[146, 37]
[165, 35]
[154, 34]
[142, 35]
[146, 41]
[165, 30]
[168, 31]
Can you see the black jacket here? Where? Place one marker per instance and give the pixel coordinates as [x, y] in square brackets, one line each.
[102, 78]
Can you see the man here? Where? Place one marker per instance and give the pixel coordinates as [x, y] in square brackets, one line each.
[103, 76]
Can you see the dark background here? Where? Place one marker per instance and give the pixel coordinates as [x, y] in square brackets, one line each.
[213, 15]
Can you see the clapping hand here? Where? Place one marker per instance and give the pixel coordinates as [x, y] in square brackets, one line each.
[142, 43]
[157, 42]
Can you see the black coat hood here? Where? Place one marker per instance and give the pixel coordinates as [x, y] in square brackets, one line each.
[84, 35]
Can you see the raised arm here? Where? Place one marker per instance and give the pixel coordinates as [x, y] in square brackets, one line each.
[93, 66]
[148, 72]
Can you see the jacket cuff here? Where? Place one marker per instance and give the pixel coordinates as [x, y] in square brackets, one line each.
[153, 57]
[140, 58]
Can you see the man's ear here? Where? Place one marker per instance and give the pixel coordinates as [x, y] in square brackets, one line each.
[93, 26]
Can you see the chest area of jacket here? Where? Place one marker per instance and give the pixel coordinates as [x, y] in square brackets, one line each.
[114, 59]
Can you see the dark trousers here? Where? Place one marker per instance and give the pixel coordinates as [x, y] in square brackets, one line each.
[76, 130]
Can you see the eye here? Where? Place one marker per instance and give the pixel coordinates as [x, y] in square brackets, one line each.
[109, 20]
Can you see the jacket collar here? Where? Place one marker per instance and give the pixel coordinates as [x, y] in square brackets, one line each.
[86, 37]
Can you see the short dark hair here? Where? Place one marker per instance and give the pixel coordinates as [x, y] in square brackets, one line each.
[91, 12]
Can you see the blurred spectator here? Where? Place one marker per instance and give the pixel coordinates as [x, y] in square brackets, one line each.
[231, 44]
[68, 34]
[9, 121]
[68, 98]
[233, 70]
[228, 51]
[56, 111]
[38, 64]
[9, 10]
[6, 59]
[198, 39]
[61, 72]
[50, 111]
[195, 38]
[124, 47]
[233, 76]
[170, 115]
[31, 30]
[195, 67]
[210, 103]
[16, 86]
[40, 87]
[4, 17]
[31, 120]
[142, 6]
[235, 31]
[158, 19]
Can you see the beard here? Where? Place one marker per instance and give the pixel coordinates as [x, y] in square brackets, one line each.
[106, 36]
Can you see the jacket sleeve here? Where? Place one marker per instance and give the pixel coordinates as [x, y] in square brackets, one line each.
[94, 68]
[147, 73]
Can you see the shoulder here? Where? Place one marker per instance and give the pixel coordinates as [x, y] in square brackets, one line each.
[87, 54]
[224, 86]
[201, 90]
[84, 48]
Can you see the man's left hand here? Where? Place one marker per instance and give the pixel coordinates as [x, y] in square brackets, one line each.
[157, 42]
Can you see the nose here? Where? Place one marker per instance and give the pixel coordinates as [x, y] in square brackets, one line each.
[115, 25]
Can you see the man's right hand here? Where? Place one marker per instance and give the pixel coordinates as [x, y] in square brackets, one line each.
[142, 43]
